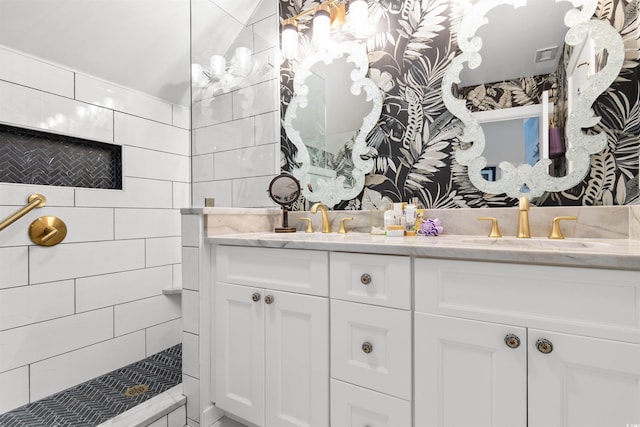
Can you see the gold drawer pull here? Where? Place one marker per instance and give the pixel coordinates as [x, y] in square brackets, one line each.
[367, 347]
[255, 297]
[268, 299]
[512, 341]
[365, 279]
[544, 346]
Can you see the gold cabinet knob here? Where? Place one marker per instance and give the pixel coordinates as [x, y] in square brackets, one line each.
[343, 229]
[512, 341]
[495, 230]
[367, 347]
[255, 297]
[544, 346]
[268, 299]
[365, 278]
[556, 233]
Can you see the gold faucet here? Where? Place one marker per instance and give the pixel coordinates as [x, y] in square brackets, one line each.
[326, 225]
[523, 218]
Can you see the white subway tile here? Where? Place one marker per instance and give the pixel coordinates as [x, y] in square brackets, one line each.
[181, 195]
[257, 99]
[25, 305]
[192, 228]
[141, 314]
[139, 132]
[202, 167]
[163, 251]
[161, 422]
[191, 311]
[177, 275]
[28, 71]
[252, 192]
[137, 193]
[192, 389]
[190, 268]
[32, 343]
[221, 191]
[142, 163]
[118, 288]
[211, 111]
[32, 108]
[181, 116]
[17, 194]
[14, 265]
[267, 128]
[246, 162]
[140, 223]
[224, 136]
[100, 92]
[73, 260]
[80, 222]
[266, 33]
[14, 389]
[164, 335]
[190, 355]
[178, 417]
[67, 370]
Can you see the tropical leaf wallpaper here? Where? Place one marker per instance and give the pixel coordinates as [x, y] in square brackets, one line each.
[415, 137]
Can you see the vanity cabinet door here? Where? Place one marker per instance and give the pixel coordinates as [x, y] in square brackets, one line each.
[582, 381]
[297, 360]
[239, 349]
[467, 375]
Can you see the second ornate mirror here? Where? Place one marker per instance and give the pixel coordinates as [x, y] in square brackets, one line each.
[586, 46]
[334, 107]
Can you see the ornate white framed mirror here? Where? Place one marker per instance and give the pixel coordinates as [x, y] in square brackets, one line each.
[334, 108]
[602, 57]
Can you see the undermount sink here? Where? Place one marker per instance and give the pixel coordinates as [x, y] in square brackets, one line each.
[539, 243]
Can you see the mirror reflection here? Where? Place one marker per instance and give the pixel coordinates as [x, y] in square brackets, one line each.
[334, 107]
[557, 69]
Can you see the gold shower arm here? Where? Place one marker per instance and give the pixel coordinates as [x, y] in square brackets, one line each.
[35, 201]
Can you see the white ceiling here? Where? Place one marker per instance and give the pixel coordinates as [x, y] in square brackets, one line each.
[140, 44]
[512, 36]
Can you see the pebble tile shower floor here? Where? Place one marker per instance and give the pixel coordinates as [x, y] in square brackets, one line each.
[102, 398]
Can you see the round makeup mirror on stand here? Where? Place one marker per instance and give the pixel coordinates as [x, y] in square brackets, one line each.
[284, 189]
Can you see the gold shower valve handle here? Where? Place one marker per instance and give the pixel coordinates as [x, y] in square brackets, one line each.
[47, 231]
[556, 233]
[495, 230]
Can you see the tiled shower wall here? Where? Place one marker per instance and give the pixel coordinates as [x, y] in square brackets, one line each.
[236, 135]
[93, 303]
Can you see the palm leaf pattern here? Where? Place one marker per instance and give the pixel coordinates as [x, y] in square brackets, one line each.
[414, 141]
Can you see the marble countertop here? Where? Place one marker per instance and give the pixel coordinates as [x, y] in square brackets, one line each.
[602, 253]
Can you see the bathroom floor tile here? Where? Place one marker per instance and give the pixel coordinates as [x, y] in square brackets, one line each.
[102, 398]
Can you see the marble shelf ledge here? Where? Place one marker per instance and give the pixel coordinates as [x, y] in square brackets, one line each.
[598, 253]
[172, 291]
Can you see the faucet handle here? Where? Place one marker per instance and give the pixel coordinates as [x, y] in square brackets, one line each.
[309, 228]
[495, 230]
[343, 229]
[556, 233]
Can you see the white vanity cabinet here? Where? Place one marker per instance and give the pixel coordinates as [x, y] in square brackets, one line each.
[522, 345]
[371, 368]
[272, 335]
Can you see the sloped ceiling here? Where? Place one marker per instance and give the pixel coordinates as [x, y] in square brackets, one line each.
[140, 44]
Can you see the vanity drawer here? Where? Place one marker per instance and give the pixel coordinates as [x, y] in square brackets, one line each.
[292, 270]
[585, 301]
[372, 279]
[353, 406]
[371, 347]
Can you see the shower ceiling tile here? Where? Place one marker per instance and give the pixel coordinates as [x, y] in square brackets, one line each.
[26, 71]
